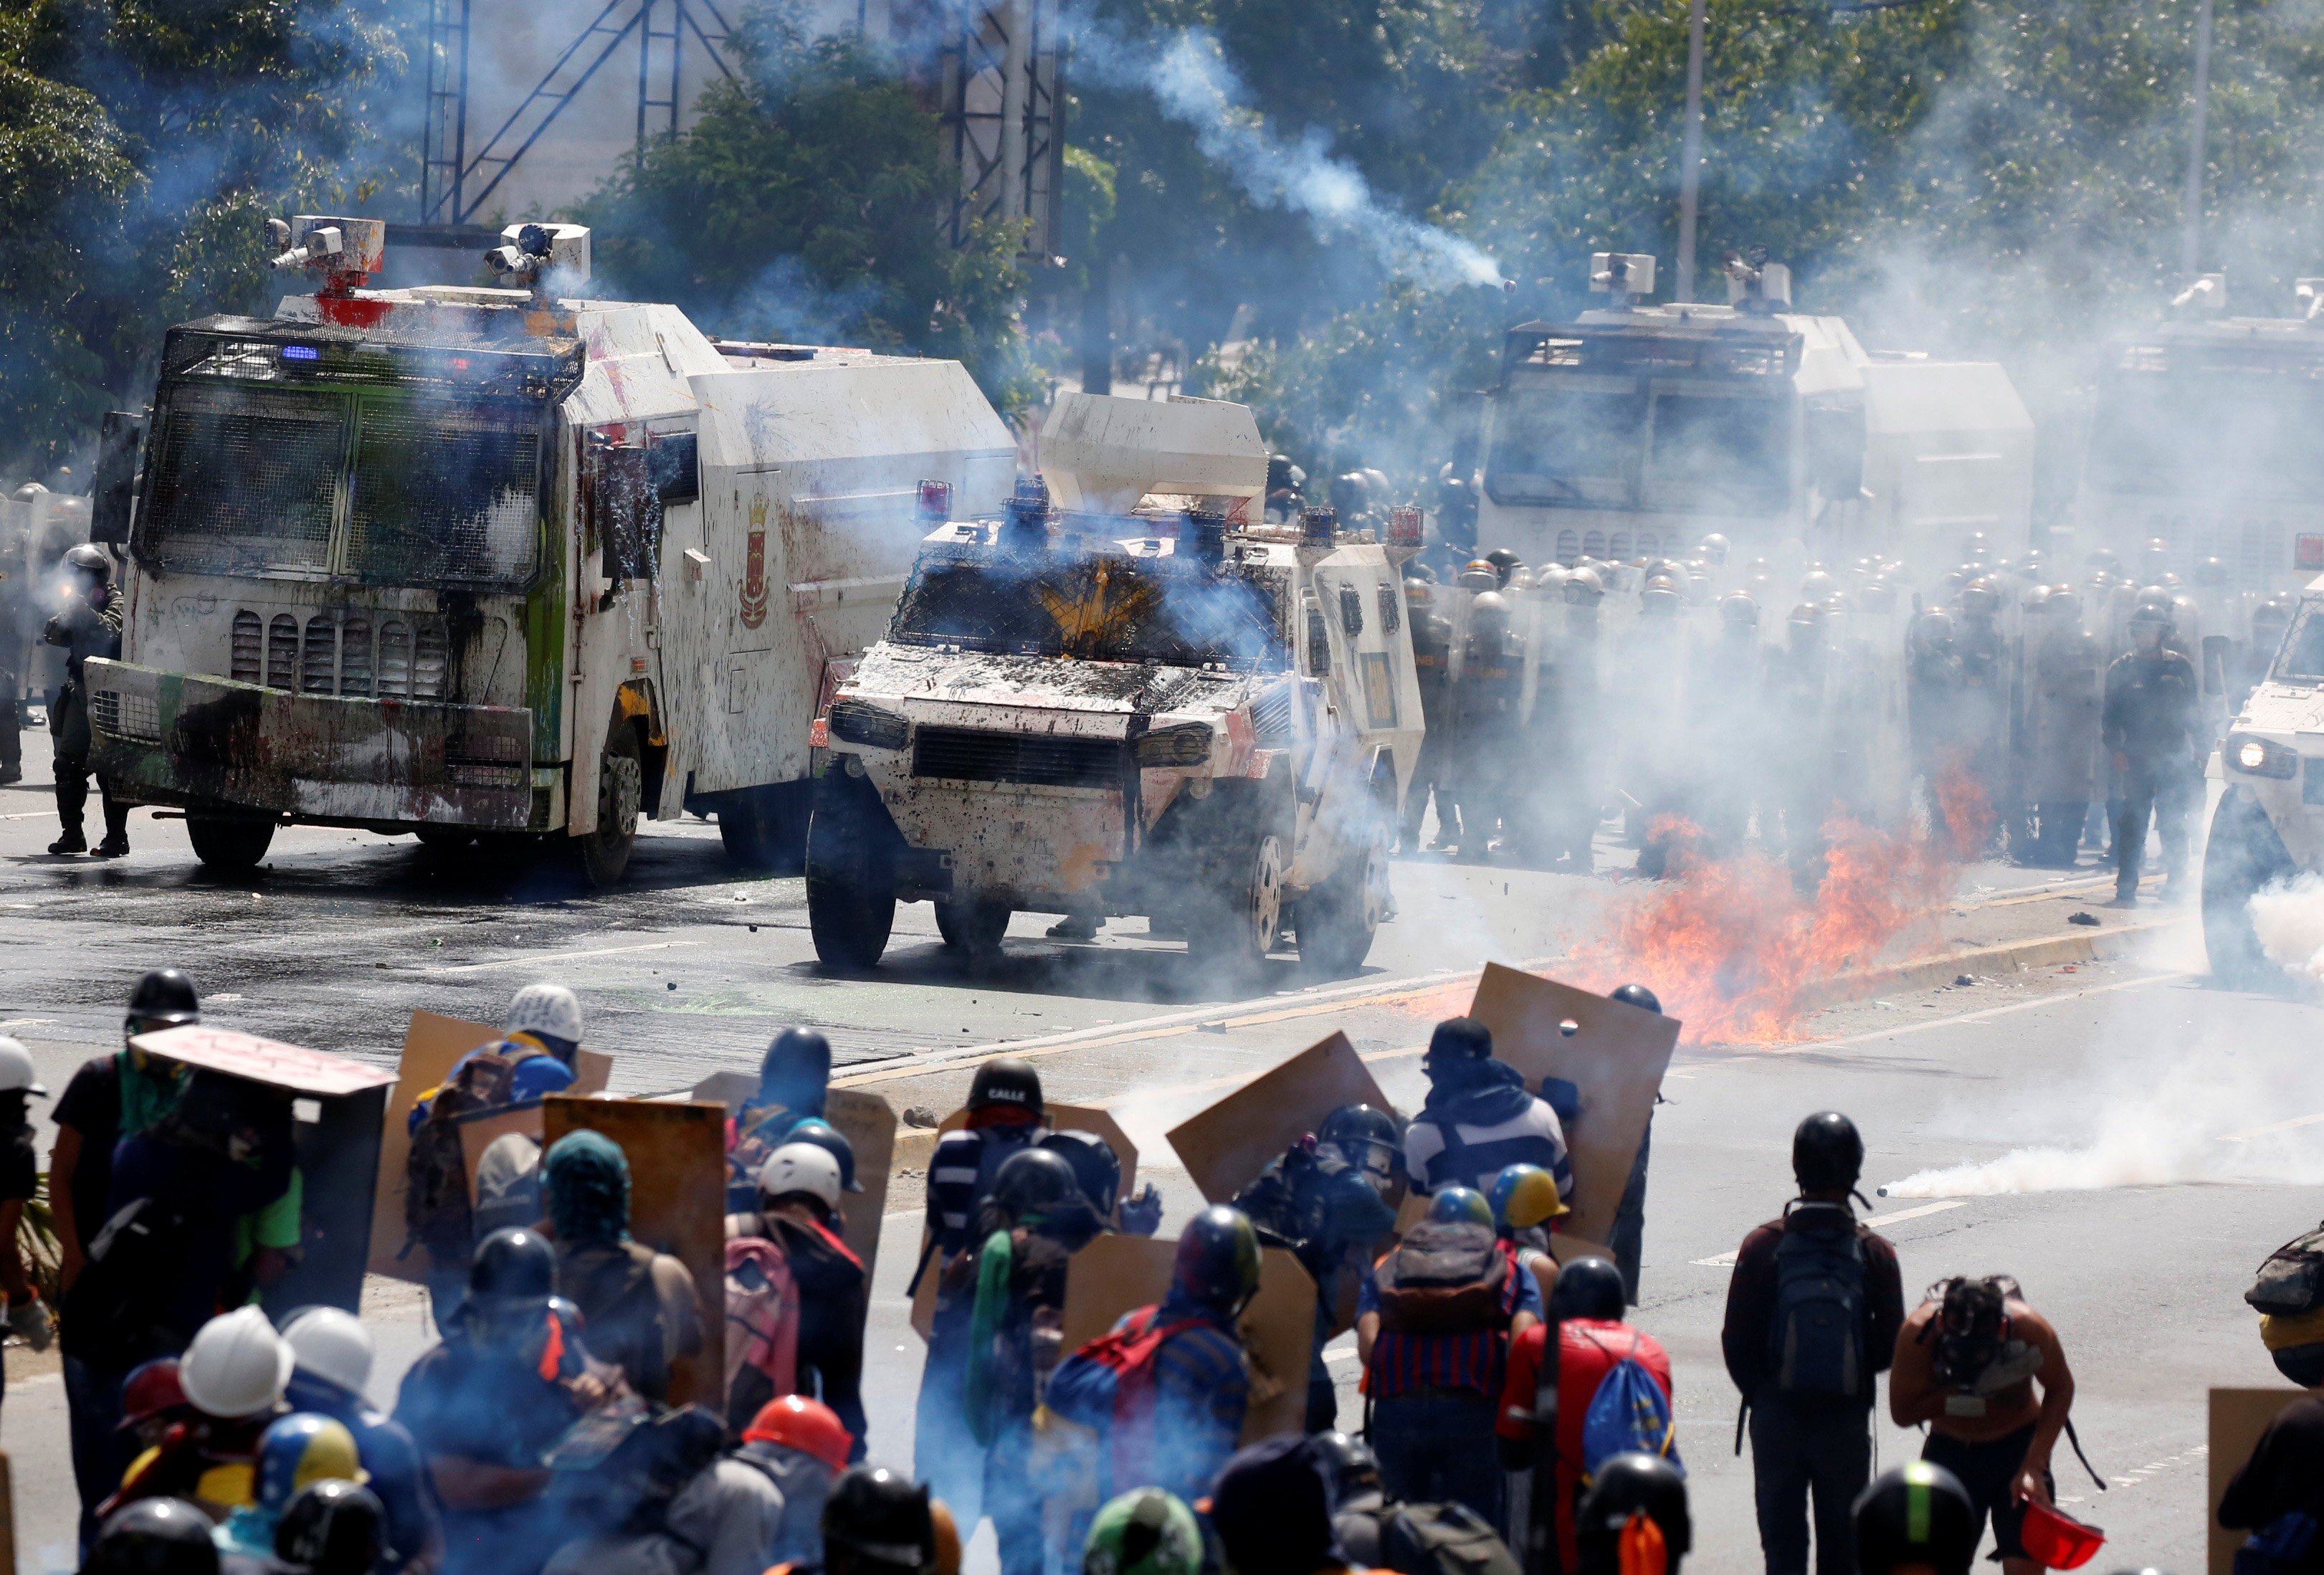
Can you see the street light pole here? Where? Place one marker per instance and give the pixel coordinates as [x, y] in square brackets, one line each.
[2190, 217]
[1689, 157]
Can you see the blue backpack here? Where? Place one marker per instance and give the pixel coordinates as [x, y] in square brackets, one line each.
[1628, 1413]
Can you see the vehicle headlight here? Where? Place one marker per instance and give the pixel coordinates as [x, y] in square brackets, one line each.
[1187, 744]
[2259, 756]
[855, 722]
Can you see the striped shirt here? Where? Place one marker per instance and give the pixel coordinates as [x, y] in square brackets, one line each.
[1473, 1360]
[1533, 1138]
[960, 1176]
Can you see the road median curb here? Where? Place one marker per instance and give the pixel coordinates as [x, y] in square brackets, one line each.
[2095, 945]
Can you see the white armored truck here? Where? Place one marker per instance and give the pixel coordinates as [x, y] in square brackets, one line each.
[2267, 822]
[1135, 702]
[510, 565]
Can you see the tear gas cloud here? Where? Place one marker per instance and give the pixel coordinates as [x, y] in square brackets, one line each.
[2289, 919]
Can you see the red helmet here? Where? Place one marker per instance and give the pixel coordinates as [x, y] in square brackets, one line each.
[2056, 1540]
[151, 1389]
[809, 1426]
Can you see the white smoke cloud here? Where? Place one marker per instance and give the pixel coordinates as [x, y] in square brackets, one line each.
[1193, 83]
[2289, 922]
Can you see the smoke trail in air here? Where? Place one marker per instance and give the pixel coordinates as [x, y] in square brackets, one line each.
[1193, 82]
[2289, 922]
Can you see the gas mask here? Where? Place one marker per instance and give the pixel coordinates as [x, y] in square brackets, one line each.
[1976, 1353]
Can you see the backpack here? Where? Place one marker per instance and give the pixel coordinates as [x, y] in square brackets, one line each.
[436, 1213]
[1108, 1387]
[613, 1286]
[1629, 1412]
[2292, 1280]
[1815, 1341]
[1445, 1277]
[1442, 1539]
[108, 1314]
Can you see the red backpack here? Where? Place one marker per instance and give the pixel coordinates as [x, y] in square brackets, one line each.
[1108, 1387]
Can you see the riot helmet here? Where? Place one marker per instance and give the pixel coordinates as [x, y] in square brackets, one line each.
[1008, 1081]
[1349, 1466]
[795, 1072]
[1917, 1513]
[1033, 1180]
[880, 1520]
[1505, 563]
[1738, 612]
[1549, 580]
[2151, 621]
[1478, 574]
[1973, 547]
[1489, 612]
[1365, 1137]
[1878, 594]
[815, 1130]
[1637, 995]
[2155, 557]
[164, 999]
[1217, 1266]
[1587, 1287]
[88, 560]
[1827, 1152]
[1630, 1490]
[153, 1536]
[332, 1527]
[2212, 573]
[1979, 598]
[1933, 631]
[1097, 1169]
[1817, 586]
[1584, 587]
[1712, 549]
[510, 1266]
[1460, 1206]
[1661, 597]
[2063, 607]
[1418, 594]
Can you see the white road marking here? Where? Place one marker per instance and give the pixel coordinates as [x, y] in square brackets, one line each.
[531, 960]
[31, 814]
[2274, 1127]
[1727, 1259]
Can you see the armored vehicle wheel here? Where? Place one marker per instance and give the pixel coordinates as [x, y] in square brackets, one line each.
[2242, 855]
[1336, 921]
[851, 899]
[1232, 924]
[621, 788]
[445, 839]
[765, 828]
[973, 927]
[228, 843]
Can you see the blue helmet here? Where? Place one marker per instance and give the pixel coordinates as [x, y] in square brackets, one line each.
[302, 1448]
[1461, 1206]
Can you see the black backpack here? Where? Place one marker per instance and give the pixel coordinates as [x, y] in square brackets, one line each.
[109, 1316]
[2292, 1280]
[1816, 1339]
[1442, 1539]
[436, 1213]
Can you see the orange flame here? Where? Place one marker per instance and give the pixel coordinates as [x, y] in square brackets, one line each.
[1730, 946]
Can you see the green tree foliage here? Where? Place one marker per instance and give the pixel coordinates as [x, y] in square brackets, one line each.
[805, 203]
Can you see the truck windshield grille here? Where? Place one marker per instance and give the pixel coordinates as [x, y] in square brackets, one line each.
[1101, 609]
[442, 495]
[974, 755]
[246, 482]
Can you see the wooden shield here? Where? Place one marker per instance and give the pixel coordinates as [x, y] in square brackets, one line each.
[430, 1045]
[1615, 1054]
[868, 1122]
[1226, 1146]
[2238, 1417]
[677, 1152]
[1114, 1274]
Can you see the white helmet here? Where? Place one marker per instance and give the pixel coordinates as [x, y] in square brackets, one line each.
[16, 1073]
[333, 1345]
[801, 1168]
[237, 1366]
[546, 1009]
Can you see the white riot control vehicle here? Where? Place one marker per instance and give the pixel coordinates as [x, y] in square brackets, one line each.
[2267, 823]
[1083, 710]
[508, 565]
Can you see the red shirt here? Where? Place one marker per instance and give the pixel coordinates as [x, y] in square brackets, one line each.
[1587, 1352]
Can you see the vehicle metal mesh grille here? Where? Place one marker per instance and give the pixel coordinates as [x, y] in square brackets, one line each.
[442, 494]
[248, 661]
[281, 652]
[974, 755]
[1270, 718]
[246, 479]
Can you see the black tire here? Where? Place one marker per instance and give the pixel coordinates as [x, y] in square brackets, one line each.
[851, 890]
[445, 839]
[1337, 919]
[1233, 924]
[231, 844]
[605, 853]
[2242, 855]
[765, 828]
[975, 927]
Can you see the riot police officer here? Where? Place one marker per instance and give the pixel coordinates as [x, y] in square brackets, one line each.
[2152, 733]
[2064, 695]
[1568, 781]
[1726, 717]
[1658, 758]
[1799, 685]
[1984, 716]
[87, 625]
[1487, 697]
[2268, 621]
[1933, 692]
[1432, 661]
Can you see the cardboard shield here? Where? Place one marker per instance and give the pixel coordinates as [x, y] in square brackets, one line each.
[430, 1047]
[335, 1106]
[1226, 1146]
[2238, 1417]
[1067, 1117]
[867, 1121]
[678, 1205]
[1115, 1274]
[1614, 1052]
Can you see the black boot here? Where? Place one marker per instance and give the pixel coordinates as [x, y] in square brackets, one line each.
[72, 841]
[116, 844]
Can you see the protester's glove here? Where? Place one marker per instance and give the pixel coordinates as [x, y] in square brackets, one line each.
[30, 1320]
[1142, 1215]
[2018, 1362]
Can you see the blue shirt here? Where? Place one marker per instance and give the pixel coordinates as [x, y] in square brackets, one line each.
[1473, 1360]
[391, 1460]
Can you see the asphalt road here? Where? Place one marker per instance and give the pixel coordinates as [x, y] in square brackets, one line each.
[2138, 1072]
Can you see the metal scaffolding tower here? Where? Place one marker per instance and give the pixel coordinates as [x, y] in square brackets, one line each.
[1003, 110]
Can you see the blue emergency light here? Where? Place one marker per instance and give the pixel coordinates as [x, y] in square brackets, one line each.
[300, 353]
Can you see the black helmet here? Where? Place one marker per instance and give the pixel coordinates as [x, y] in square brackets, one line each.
[797, 1069]
[815, 1130]
[1638, 995]
[1006, 1079]
[1630, 1484]
[1033, 1179]
[1366, 1138]
[1460, 1039]
[165, 997]
[1587, 1287]
[882, 1518]
[154, 1536]
[1096, 1167]
[1737, 610]
[88, 560]
[331, 1527]
[1349, 1464]
[1217, 1264]
[512, 1265]
[1826, 1151]
[1918, 1514]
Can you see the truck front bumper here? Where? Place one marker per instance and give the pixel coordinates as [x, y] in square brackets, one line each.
[191, 738]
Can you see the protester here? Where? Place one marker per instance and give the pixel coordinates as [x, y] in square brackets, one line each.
[1594, 1343]
[798, 1290]
[232, 1377]
[1272, 1509]
[296, 1451]
[28, 1315]
[110, 1097]
[332, 1528]
[510, 1377]
[1525, 1201]
[878, 1522]
[1478, 1117]
[1434, 1323]
[794, 1085]
[1812, 1311]
[1627, 1239]
[154, 1536]
[333, 1353]
[674, 1503]
[1966, 1362]
[1145, 1531]
[1634, 1519]
[799, 1445]
[1358, 1502]
[2278, 1494]
[1916, 1520]
[637, 1305]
